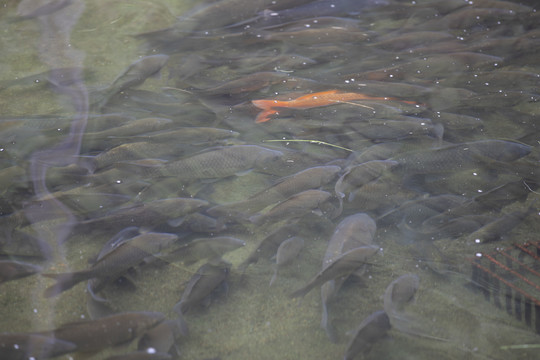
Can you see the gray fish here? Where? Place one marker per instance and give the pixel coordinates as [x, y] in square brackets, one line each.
[214, 163]
[23, 243]
[118, 135]
[161, 338]
[141, 355]
[191, 135]
[354, 231]
[126, 255]
[24, 346]
[459, 156]
[126, 152]
[33, 9]
[12, 270]
[147, 214]
[397, 129]
[399, 292]
[286, 253]
[496, 229]
[358, 175]
[207, 278]
[134, 75]
[345, 264]
[311, 178]
[94, 335]
[295, 206]
[203, 248]
[270, 244]
[371, 329]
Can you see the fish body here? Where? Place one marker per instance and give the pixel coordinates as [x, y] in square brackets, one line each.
[295, 206]
[459, 156]
[324, 98]
[497, 228]
[150, 213]
[126, 255]
[311, 178]
[217, 162]
[141, 355]
[134, 75]
[202, 283]
[371, 330]
[345, 264]
[361, 174]
[354, 231]
[204, 248]
[161, 338]
[399, 292]
[94, 335]
[12, 270]
[24, 346]
[270, 244]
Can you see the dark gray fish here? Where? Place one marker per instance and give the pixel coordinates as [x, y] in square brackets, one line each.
[497, 228]
[148, 214]
[354, 231]
[97, 306]
[94, 335]
[125, 132]
[12, 270]
[203, 248]
[399, 292]
[371, 329]
[269, 245]
[134, 75]
[190, 135]
[460, 157]
[26, 10]
[295, 206]
[345, 264]
[419, 210]
[286, 253]
[160, 338]
[24, 346]
[141, 355]
[126, 152]
[358, 175]
[311, 178]
[501, 196]
[207, 278]
[128, 254]
[23, 243]
[381, 130]
[214, 163]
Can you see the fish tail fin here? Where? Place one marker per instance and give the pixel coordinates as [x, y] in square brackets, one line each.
[64, 282]
[301, 292]
[264, 116]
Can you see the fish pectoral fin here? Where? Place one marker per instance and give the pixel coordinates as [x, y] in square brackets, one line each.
[176, 222]
[243, 173]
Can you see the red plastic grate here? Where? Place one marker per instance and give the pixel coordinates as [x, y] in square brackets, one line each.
[510, 278]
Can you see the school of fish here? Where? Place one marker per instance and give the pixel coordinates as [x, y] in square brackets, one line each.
[303, 166]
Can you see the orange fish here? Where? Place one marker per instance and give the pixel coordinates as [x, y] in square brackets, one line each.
[323, 98]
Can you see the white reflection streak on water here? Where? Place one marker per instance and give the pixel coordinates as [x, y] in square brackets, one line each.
[66, 77]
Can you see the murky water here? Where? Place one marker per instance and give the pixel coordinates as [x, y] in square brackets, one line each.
[109, 111]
